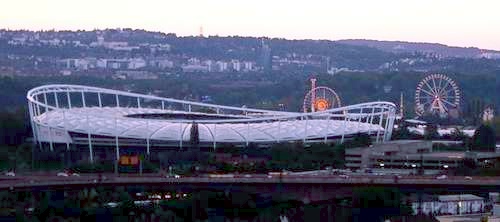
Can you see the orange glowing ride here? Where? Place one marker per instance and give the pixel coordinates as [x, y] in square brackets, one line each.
[321, 104]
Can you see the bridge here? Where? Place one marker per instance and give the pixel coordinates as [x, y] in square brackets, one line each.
[300, 188]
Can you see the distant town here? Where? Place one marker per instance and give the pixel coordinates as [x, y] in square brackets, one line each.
[138, 54]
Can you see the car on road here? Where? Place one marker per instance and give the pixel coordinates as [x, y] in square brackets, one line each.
[67, 174]
[442, 177]
[277, 174]
[10, 174]
[111, 204]
[62, 174]
[468, 178]
[173, 176]
[343, 176]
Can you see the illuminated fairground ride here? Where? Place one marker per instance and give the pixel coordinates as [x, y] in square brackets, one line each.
[67, 116]
[320, 98]
[437, 94]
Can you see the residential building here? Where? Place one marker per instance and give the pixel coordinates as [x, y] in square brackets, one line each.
[136, 63]
[236, 65]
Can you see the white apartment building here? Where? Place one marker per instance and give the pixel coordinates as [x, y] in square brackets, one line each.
[450, 205]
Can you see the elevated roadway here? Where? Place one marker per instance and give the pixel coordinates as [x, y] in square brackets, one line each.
[43, 180]
[298, 187]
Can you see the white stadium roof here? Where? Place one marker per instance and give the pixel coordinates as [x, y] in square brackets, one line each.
[55, 115]
[111, 121]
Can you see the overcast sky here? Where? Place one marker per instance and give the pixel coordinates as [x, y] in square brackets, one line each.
[452, 22]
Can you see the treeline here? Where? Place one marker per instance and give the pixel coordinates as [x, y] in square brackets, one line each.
[248, 160]
[252, 159]
[365, 204]
[484, 139]
[15, 129]
[477, 91]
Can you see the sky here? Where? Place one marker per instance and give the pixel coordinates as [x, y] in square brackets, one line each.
[466, 23]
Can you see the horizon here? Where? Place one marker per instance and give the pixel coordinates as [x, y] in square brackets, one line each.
[457, 23]
[228, 36]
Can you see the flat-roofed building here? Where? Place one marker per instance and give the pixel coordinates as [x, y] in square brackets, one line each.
[389, 152]
[459, 204]
[410, 154]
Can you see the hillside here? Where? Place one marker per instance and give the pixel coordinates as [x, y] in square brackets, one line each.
[440, 50]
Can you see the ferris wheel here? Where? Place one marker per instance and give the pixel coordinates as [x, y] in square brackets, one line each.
[320, 98]
[437, 94]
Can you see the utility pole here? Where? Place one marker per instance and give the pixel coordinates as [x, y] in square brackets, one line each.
[401, 106]
[421, 168]
[140, 165]
[116, 166]
[33, 157]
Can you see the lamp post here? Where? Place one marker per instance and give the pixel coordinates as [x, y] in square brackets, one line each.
[421, 168]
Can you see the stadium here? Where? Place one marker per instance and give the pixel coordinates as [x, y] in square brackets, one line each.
[69, 117]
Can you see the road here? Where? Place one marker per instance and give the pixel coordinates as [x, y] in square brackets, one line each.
[45, 179]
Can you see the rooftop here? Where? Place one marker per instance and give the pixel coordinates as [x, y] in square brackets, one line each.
[456, 155]
[399, 142]
[445, 198]
[459, 197]
[395, 143]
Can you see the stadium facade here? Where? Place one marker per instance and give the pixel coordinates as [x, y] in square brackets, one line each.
[67, 116]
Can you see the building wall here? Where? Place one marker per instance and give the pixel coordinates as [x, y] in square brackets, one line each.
[395, 154]
[450, 207]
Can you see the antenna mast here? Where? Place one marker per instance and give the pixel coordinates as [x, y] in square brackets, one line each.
[201, 32]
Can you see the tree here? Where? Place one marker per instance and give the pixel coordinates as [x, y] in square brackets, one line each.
[362, 140]
[339, 156]
[484, 138]
[457, 135]
[358, 140]
[375, 203]
[14, 127]
[496, 126]
[431, 132]
[194, 138]
[401, 133]
[474, 110]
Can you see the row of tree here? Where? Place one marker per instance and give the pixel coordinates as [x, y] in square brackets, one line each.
[270, 90]
[365, 204]
[484, 139]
